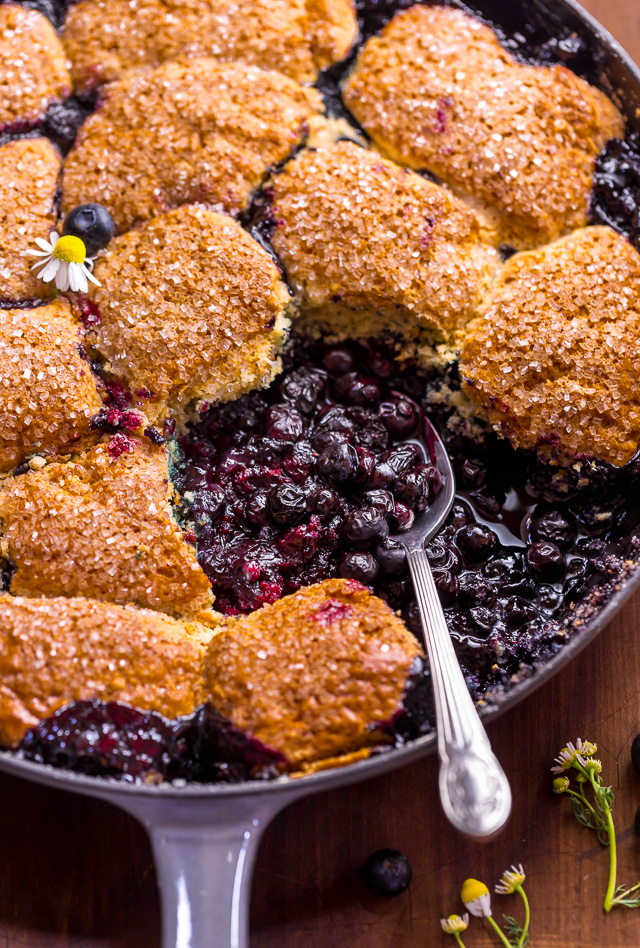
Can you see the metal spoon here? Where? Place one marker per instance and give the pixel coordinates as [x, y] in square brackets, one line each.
[474, 790]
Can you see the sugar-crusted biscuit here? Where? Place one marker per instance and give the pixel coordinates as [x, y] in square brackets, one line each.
[105, 38]
[55, 651]
[33, 68]
[186, 132]
[552, 359]
[192, 309]
[436, 90]
[100, 526]
[356, 229]
[29, 171]
[314, 673]
[47, 391]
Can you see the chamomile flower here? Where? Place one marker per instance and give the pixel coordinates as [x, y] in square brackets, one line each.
[510, 880]
[475, 897]
[573, 752]
[455, 923]
[63, 259]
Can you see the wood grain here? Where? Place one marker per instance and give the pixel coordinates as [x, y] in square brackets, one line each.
[75, 872]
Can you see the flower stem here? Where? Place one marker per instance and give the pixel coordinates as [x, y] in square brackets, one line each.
[459, 939]
[500, 933]
[609, 899]
[527, 916]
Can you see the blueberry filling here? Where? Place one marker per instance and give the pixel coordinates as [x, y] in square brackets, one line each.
[115, 740]
[318, 476]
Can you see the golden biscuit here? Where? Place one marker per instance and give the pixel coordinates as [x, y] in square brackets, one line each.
[106, 38]
[355, 229]
[29, 171]
[33, 68]
[183, 133]
[100, 526]
[55, 651]
[436, 90]
[191, 309]
[314, 673]
[47, 392]
[552, 359]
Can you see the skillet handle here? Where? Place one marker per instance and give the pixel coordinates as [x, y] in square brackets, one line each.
[205, 852]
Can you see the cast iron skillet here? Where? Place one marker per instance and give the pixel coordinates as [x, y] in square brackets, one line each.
[205, 837]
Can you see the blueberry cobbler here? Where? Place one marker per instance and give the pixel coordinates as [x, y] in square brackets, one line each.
[248, 250]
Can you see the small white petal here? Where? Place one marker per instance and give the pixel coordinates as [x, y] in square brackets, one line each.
[44, 244]
[77, 278]
[41, 263]
[36, 253]
[53, 237]
[50, 271]
[91, 277]
[62, 279]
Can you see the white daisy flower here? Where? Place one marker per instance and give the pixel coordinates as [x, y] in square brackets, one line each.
[475, 898]
[571, 752]
[510, 880]
[455, 923]
[64, 259]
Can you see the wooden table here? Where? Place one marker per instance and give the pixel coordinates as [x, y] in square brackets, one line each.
[75, 872]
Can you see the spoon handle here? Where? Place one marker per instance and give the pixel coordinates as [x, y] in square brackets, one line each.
[474, 790]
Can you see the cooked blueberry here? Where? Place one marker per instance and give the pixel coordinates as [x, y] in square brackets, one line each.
[402, 457]
[417, 487]
[283, 423]
[459, 516]
[446, 584]
[476, 541]
[382, 476]
[366, 525]
[382, 500]
[402, 519]
[391, 557]
[470, 474]
[287, 504]
[339, 462]
[545, 560]
[372, 435]
[303, 388]
[93, 224]
[333, 425]
[442, 553]
[208, 504]
[387, 872]
[555, 526]
[338, 360]
[358, 390]
[257, 509]
[323, 501]
[476, 590]
[400, 417]
[360, 566]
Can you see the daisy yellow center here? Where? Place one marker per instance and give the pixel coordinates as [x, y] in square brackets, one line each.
[472, 890]
[70, 250]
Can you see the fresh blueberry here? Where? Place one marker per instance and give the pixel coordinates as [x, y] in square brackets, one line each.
[387, 872]
[635, 753]
[93, 224]
[366, 525]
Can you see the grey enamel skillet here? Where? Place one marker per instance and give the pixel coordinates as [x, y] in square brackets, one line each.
[205, 838]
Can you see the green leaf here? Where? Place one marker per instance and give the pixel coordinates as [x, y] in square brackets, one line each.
[515, 931]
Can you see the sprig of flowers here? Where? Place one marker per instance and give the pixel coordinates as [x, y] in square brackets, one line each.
[591, 804]
[477, 900]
